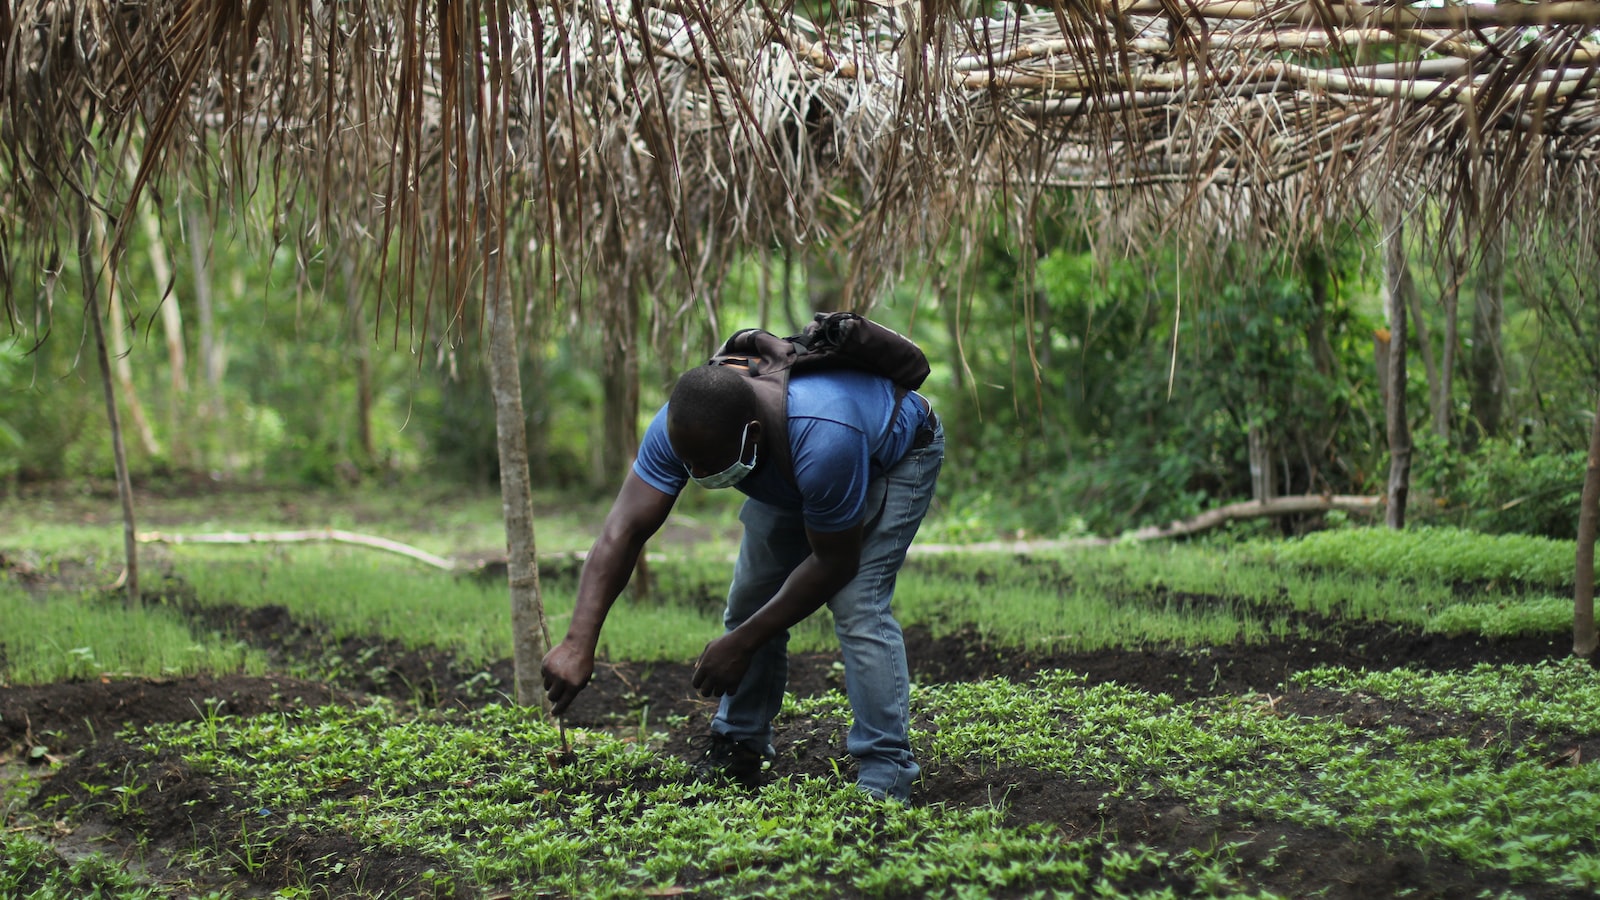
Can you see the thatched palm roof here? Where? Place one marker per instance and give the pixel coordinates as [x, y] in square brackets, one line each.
[622, 140]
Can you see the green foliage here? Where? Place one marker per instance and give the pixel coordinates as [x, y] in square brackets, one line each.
[1083, 393]
[1556, 695]
[1146, 389]
[488, 795]
[1495, 804]
[1385, 783]
[1504, 486]
[483, 793]
[47, 407]
[10, 438]
[561, 394]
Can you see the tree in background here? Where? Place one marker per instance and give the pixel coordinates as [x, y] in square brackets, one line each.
[1129, 391]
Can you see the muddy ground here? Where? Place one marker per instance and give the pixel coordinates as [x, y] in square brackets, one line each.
[76, 722]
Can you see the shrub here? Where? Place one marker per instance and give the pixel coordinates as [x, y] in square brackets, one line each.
[1502, 488]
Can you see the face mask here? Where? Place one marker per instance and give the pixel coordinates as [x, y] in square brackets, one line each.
[733, 474]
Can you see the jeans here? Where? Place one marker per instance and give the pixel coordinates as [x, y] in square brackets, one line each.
[876, 677]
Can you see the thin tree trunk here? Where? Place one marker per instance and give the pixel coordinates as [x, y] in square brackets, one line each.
[1263, 480]
[210, 342]
[1258, 445]
[172, 326]
[89, 264]
[119, 353]
[1315, 266]
[362, 351]
[619, 365]
[950, 305]
[1313, 442]
[530, 634]
[529, 637]
[1395, 283]
[1584, 638]
[788, 292]
[1444, 402]
[764, 290]
[1436, 383]
[1486, 363]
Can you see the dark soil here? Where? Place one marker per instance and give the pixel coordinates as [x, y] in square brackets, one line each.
[80, 721]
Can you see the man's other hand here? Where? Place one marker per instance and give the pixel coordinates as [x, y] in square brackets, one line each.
[567, 670]
[721, 666]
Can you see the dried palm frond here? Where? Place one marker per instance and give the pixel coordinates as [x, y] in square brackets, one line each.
[631, 144]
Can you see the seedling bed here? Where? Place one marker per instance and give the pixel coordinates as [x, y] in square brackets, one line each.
[183, 829]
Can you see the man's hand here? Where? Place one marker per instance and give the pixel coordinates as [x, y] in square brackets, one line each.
[567, 670]
[722, 665]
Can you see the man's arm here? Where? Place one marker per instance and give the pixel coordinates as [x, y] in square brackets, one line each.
[835, 558]
[636, 514]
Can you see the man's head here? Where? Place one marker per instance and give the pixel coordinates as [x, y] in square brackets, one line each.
[713, 423]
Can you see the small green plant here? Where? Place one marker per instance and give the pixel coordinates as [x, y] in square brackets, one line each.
[126, 802]
[252, 848]
[32, 869]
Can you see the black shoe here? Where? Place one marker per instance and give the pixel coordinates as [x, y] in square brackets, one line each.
[719, 758]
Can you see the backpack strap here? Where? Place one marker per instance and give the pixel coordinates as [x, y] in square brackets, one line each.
[767, 361]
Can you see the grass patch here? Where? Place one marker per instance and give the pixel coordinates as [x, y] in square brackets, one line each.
[33, 870]
[1505, 617]
[1082, 599]
[1134, 594]
[1431, 553]
[87, 635]
[351, 593]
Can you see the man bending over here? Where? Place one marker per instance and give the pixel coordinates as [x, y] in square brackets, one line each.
[838, 480]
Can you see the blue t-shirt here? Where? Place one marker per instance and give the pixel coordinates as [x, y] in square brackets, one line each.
[838, 440]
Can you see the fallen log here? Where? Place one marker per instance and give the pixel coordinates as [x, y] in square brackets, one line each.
[1249, 509]
[307, 536]
[471, 566]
